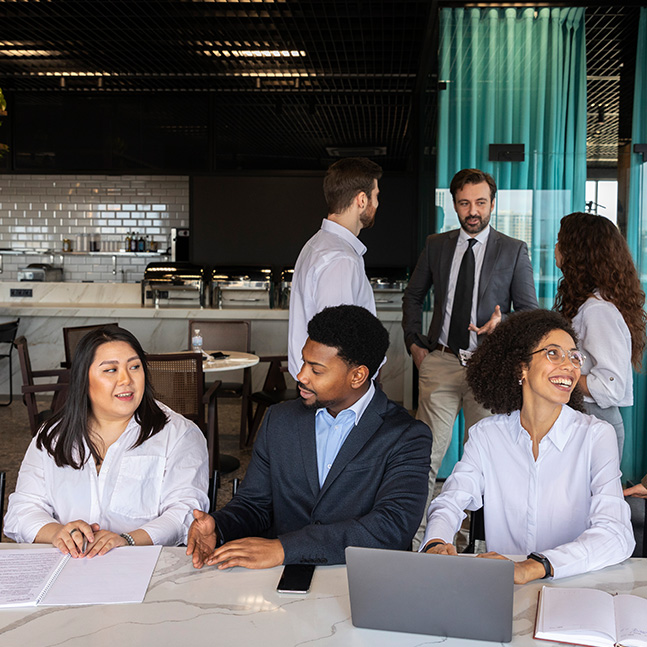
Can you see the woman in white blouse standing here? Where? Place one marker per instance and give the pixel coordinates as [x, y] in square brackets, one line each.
[600, 295]
[546, 475]
[114, 465]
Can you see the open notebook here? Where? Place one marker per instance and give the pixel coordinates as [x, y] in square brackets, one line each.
[42, 576]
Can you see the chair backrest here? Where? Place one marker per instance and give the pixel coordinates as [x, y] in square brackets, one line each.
[275, 378]
[8, 331]
[25, 362]
[30, 388]
[222, 335]
[72, 337]
[178, 382]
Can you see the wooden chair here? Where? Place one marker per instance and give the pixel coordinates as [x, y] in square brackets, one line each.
[7, 335]
[178, 382]
[274, 390]
[230, 335]
[477, 530]
[72, 337]
[30, 388]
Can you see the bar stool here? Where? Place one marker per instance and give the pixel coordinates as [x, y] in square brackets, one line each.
[7, 335]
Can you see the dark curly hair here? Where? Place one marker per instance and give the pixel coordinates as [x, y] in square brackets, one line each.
[494, 371]
[595, 256]
[359, 337]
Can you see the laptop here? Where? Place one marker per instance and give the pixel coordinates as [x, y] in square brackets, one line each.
[458, 597]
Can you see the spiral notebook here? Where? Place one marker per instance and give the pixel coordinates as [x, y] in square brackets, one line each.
[44, 577]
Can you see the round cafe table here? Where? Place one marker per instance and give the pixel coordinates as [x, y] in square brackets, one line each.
[233, 361]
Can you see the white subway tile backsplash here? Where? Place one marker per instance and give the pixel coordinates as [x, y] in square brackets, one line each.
[38, 212]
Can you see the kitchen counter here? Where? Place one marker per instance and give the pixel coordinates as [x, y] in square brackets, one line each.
[54, 306]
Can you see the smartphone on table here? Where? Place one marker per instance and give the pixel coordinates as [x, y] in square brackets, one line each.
[296, 578]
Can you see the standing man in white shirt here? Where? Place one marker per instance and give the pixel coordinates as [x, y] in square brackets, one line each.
[478, 275]
[330, 268]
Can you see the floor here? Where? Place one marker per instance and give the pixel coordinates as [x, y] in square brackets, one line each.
[15, 437]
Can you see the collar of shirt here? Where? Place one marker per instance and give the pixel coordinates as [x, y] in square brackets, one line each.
[481, 237]
[558, 434]
[335, 228]
[330, 433]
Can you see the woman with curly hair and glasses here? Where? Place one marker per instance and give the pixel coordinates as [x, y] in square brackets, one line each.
[546, 474]
[600, 295]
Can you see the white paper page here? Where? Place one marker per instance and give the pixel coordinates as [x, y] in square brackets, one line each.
[582, 612]
[120, 576]
[24, 573]
[631, 620]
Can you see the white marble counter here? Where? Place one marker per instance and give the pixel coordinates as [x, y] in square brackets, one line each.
[240, 608]
[55, 306]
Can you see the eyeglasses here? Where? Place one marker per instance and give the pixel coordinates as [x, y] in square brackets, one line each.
[556, 354]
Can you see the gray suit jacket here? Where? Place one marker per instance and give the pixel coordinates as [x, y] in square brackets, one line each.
[374, 494]
[506, 280]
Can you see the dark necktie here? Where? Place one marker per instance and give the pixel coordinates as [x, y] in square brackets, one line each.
[459, 335]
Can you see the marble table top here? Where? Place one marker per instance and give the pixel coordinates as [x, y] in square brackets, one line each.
[234, 360]
[189, 608]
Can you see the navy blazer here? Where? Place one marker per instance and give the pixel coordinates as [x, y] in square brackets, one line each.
[506, 280]
[374, 494]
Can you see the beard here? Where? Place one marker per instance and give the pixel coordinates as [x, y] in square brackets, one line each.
[367, 217]
[475, 227]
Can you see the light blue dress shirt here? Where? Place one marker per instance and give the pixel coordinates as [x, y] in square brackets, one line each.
[330, 433]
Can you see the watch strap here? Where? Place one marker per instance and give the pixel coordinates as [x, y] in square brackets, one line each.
[544, 561]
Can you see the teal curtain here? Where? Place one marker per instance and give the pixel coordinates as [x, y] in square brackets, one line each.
[634, 462]
[515, 76]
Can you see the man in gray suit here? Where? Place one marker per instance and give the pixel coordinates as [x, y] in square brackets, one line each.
[341, 466]
[478, 275]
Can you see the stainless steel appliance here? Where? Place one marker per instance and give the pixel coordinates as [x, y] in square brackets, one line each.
[388, 285]
[168, 284]
[40, 272]
[242, 287]
[284, 286]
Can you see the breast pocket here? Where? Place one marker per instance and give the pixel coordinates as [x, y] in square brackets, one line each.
[139, 485]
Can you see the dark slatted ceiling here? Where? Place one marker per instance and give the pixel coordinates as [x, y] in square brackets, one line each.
[292, 77]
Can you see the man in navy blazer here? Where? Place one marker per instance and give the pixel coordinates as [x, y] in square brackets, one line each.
[340, 466]
[500, 280]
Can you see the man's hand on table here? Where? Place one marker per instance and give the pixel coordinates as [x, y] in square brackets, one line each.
[250, 552]
[202, 538]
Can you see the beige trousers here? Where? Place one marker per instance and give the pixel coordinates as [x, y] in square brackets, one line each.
[443, 391]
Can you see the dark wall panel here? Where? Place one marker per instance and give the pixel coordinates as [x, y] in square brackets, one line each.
[265, 220]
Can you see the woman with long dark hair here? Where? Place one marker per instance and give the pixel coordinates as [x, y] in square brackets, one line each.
[600, 295]
[547, 475]
[114, 466]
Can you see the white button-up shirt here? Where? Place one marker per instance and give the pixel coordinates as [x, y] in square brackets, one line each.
[606, 341]
[329, 272]
[479, 254]
[567, 504]
[154, 487]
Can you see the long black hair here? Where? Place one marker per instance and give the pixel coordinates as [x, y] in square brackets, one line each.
[65, 435]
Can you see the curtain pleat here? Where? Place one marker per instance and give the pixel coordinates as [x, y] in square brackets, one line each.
[515, 76]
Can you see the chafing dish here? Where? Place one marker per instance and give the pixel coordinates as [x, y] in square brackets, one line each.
[241, 287]
[174, 284]
[388, 285]
[40, 272]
